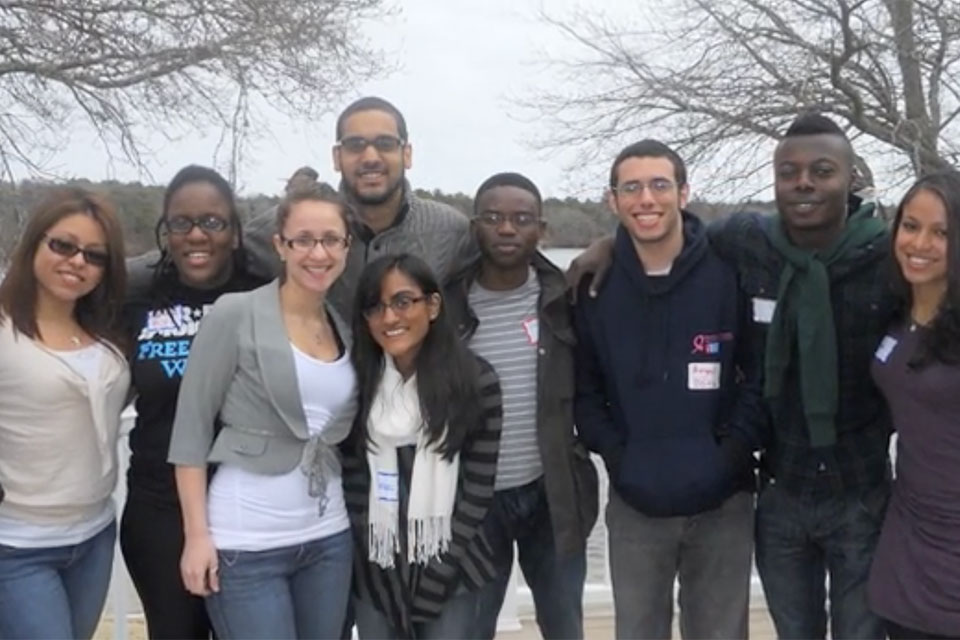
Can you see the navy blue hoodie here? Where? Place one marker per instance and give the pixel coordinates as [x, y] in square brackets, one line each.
[664, 395]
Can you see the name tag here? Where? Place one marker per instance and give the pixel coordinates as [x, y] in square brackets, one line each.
[886, 347]
[531, 327]
[763, 309]
[388, 486]
[703, 376]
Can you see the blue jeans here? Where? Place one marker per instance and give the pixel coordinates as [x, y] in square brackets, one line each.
[299, 591]
[799, 540]
[456, 620]
[55, 592]
[521, 514]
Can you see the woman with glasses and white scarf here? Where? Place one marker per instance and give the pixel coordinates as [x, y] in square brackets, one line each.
[420, 464]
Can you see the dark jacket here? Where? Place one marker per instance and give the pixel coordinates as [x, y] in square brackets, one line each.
[569, 475]
[665, 393]
[863, 306]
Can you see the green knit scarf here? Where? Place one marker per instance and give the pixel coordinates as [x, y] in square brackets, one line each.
[804, 310]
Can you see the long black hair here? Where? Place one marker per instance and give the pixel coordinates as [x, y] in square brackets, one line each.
[164, 270]
[447, 372]
[941, 340]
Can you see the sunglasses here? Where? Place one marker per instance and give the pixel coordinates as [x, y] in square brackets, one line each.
[69, 249]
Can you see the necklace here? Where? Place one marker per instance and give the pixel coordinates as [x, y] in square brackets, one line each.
[75, 340]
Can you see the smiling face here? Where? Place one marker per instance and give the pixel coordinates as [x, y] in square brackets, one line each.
[920, 244]
[508, 226]
[203, 255]
[813, 174]
[400, 323]
[61, 278]
[371, 176]
[648, 200]
[313, 244]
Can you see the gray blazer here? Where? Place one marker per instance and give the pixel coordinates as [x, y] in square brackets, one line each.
[241, 371]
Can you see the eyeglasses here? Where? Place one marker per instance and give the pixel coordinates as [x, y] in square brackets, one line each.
[69, 249]
[634, 188]
[182, 225]
[359, 144]
[400, 304]
[496, 218]
[307, 243]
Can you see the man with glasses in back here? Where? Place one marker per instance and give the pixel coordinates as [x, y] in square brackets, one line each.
[372, 154]
[666, 396]
[510, 304]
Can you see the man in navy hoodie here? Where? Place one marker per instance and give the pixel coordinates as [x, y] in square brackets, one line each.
[667, 398]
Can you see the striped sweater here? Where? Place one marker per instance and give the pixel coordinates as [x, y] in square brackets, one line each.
[409, 594]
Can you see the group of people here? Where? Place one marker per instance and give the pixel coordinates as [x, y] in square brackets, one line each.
[354, 408]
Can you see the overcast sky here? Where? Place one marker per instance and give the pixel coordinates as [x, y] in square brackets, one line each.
[461, 64]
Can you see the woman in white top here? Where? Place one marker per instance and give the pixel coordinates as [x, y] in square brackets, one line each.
[268, 392]
[63, 382]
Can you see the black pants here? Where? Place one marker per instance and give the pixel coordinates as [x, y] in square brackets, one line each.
[151, 538]
[898, 632]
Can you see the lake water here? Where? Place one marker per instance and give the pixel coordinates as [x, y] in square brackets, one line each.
[562, 256]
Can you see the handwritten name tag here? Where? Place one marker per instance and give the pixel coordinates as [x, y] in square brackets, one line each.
[763, 309]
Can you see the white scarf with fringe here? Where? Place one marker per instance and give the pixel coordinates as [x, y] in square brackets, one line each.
[395, 421]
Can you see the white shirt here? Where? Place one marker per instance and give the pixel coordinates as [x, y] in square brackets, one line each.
[254, 512]
[19, 533]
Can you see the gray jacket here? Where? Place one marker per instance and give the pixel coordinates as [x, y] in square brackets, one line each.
[241, 375]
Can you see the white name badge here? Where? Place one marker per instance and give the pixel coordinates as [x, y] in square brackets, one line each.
[887, 345]
[763, 309]
[531, 327]
[702, 376]
[388, 486]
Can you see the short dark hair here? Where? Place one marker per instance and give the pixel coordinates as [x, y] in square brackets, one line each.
[940, 342]
[650, 149]
[372, 103]
[812, 123]
[507, 179]
[160, 289]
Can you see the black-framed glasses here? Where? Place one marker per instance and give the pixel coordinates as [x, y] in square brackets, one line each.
[634, 188]
[68, 249]
[400, 304]
[359, 144]
[305, 244]
[496, 218]
[182, 225]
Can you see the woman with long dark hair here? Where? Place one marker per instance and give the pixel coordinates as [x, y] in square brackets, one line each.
[915, 578]
[268, 393]
[420, 464]
[201, 258]
[63, 382]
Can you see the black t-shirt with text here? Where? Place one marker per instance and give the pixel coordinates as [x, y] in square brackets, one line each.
[162, 330]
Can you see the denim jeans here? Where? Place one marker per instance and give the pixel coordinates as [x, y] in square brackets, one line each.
[55, 592]
[800, 540]
[299, 591]
[709, 553]
[521, 514]
[456, 620]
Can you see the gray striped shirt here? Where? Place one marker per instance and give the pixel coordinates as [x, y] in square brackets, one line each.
[507, 338]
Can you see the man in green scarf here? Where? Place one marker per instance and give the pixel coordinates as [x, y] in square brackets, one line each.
[816, 277]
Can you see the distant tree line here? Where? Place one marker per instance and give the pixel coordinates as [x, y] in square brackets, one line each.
[571, 222]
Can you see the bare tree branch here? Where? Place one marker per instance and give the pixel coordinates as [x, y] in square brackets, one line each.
[723, 75]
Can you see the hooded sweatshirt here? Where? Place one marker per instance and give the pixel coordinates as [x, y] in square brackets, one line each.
[657, 389]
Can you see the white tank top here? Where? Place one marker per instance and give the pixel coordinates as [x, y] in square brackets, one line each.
[253, 512]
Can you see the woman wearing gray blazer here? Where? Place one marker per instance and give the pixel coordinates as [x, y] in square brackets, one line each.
[268, 392]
